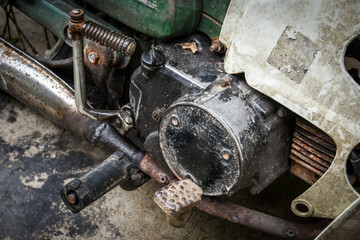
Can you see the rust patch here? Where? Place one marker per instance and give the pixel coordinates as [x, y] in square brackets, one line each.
[293, 54]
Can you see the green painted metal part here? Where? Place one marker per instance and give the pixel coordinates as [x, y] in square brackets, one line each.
[155, 18]
[53, 14]
[213, 14]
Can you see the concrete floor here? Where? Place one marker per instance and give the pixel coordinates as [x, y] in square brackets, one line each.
[37, 158]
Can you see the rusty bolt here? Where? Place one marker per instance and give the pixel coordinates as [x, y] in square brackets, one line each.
[128, 120]
[225, 154]
[93, 57]
[217, 46]
[224, 82]
[72, 198]
[76, 15]
[157, 115]
[175, 120]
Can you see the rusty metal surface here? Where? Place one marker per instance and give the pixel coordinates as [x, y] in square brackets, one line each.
[178, 197]
[97, 59]
[122, 120]
[260, 221]
[115, 41]
[148, 166]
[312, 152]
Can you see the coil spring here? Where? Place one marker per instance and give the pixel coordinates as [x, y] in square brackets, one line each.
[116, 41]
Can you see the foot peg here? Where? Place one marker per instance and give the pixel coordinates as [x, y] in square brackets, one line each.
[84, 190]
[177, 200]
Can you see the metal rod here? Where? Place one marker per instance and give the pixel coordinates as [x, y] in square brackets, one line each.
[260, 221]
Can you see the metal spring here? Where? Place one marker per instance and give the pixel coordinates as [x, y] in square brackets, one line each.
[116, 41]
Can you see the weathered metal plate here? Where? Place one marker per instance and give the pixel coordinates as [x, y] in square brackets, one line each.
[345, 226]
[325, 95]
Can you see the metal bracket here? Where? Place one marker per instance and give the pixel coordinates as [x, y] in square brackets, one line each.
[121, 119]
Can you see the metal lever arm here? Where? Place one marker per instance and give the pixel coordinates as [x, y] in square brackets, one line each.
[122, 120]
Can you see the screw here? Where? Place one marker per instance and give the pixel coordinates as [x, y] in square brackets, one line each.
[128, 120]
[175, 120]
[224, 82]
[217, 46]
[157, 115]
[281, 113]
[226, 154]
[291, 233]
[72, 198]
[223, 189]
[93, 57]
[163, 179]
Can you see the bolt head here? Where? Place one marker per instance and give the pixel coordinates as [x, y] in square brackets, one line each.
[93, 57]
[75, 11]
[175, 120]
[224, 82]
[157, 115]
[281, 113]
[128, 120]
[130, 49]
[226, 154]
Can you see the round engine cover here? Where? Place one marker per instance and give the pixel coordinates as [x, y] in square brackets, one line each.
[198, 144]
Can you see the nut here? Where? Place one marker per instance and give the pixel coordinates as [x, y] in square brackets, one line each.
[217, 46]
[224, 82]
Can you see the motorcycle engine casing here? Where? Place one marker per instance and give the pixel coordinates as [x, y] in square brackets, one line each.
[215, 129]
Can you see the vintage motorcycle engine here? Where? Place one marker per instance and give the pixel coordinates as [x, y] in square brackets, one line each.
[206, 125]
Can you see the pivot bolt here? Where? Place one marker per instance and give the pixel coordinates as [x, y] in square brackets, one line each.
[128, 120]
[93, 57]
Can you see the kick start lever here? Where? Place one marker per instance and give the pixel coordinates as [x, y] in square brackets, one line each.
[78, 28]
